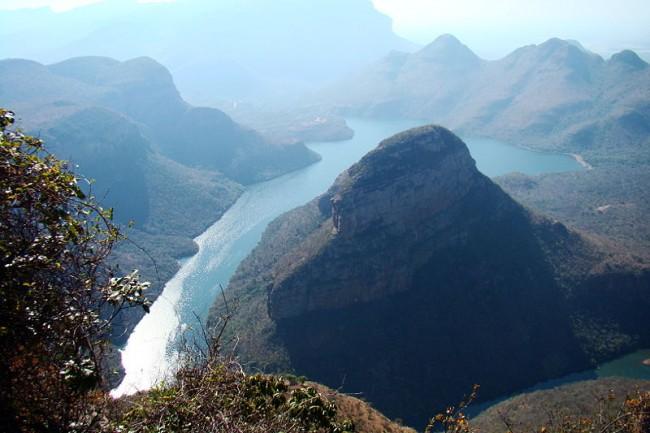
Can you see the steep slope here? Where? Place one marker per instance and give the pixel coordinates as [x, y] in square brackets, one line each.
[555, 95]
[110, 150]
[531, 411]
[171, 168]
[257, 50]
[415, 276]
[170, 203]
[144, 91]
[608, 201]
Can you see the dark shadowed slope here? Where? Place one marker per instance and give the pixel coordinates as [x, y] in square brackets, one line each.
[415, 277]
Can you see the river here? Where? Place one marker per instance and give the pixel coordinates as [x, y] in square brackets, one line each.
[148, 356]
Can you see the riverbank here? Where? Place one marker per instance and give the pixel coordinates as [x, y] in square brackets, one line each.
[580, 160]
[183, 306]
[150, 354]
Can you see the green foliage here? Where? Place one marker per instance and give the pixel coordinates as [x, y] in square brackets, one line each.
[610, 202]
[57, 296]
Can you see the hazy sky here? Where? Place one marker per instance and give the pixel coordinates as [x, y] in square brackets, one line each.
[494, 28]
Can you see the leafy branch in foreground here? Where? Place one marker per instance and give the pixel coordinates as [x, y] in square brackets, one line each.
[57, 296]
[453, 419]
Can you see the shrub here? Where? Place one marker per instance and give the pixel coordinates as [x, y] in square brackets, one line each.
[57, 296]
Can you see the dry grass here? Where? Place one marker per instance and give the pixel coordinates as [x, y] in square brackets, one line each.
[366, 419]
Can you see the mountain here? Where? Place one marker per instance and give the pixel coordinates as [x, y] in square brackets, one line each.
[170, 167]
[584, 399]
[552, 96]
[251, 49]
[144, 91]
[415, 276]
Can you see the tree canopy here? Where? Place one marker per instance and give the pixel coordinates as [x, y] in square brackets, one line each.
[57, 295]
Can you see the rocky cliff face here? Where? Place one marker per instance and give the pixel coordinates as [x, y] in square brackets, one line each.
[415, 277]
[404, 190]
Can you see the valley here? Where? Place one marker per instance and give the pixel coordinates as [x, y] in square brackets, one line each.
[227, 242]
[151, 353]
[324, 216]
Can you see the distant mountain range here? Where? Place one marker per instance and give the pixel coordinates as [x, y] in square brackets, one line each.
[415, 276]
[171, 167]
[552, 96]
[223, 50]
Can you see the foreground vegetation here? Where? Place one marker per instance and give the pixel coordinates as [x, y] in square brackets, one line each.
[607, 404]
[57, 296]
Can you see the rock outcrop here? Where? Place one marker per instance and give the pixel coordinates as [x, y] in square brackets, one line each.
[405, 190]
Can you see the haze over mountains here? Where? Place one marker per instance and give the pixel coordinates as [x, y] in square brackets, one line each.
[414, 276]
[552, 96]
[251, 49]
[170, 167]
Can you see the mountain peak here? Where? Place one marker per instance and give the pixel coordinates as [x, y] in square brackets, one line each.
[423, 177]
[557, 45]
[105, 70]
[407, 244]
[430, 161]
[432, 137]
[448, 48]
[629, 58]
[570, 46]
[554, 43]
[447, 38]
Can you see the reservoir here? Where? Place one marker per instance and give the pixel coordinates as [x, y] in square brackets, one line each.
[148, 356]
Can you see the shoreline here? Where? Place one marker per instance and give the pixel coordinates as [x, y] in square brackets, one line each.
[580, 160]
[576, 156]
